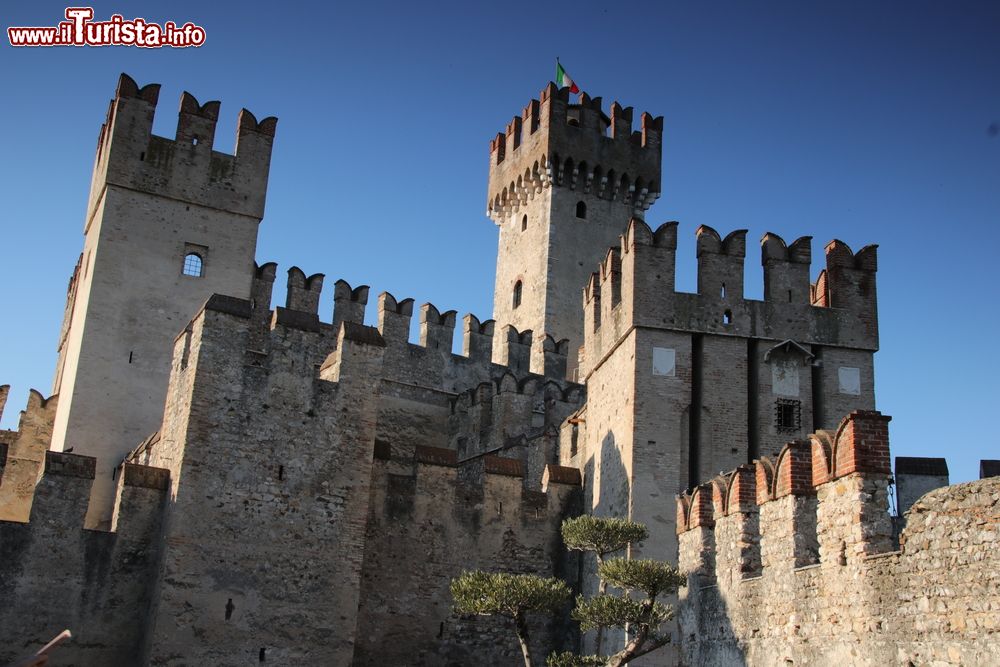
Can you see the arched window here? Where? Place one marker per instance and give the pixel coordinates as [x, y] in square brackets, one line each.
[517, 294]
[581, 210]
[524, 223]
[193, 265]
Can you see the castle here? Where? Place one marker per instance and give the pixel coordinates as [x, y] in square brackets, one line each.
[216, 481]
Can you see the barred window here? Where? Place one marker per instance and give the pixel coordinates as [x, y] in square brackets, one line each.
[787, 415]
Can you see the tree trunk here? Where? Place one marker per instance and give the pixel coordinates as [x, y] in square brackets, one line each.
[642, 643]
[602, 588]
[521, 626]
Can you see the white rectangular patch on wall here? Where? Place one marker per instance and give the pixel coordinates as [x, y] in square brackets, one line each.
[664, 361]
[785, 377]
[850, 380]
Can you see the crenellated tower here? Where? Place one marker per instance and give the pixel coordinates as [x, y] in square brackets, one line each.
[169, 222]
[565, 179]
[680, 385]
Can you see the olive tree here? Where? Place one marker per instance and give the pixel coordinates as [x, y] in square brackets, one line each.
[641, 581]
[636, 610]
[511, 595]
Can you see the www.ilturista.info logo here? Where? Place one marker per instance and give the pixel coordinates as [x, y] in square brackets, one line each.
[81, 30]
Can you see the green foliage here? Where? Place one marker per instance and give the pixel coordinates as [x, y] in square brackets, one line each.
[619, 611]
[649, 576]
[600, 534]
[514, 594]
[568, 659]
[507, 594]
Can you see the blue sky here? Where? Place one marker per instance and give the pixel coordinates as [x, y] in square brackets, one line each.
[865, 121]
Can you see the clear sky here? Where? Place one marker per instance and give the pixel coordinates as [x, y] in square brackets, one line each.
[872, 122]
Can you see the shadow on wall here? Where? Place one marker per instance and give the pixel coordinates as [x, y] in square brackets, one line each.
[607, 488]
[705, 607]
[615, 486]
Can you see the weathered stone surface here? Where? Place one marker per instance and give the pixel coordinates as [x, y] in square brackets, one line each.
[25, 457]
[154, 201]
[54, 574]
[304, 487]
[936, 601]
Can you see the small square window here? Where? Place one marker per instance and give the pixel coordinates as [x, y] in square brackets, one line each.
[787, 415]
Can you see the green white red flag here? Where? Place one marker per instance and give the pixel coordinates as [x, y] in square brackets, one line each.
[563, 79]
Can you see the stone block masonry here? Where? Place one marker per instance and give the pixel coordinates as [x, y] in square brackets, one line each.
[564, 181]
[428, 526]
[169, 221]
[55, 574]
[25, 459]
[791, 562]
[274, 418]
[298, 487]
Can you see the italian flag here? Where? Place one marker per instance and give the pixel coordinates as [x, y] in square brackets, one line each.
[563, 80]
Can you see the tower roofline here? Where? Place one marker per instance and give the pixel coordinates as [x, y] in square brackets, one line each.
[554, 142]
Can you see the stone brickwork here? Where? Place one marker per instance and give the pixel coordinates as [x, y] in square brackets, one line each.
[791, 562]
[154, 201]
[709, 373]
[428, 526]
[564, 181]
[281, 430]
[25, 457]
[280, 450]
[298, 487]
[54, 574]
[681, 386]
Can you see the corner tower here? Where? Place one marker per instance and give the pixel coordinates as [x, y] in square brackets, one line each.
[169, 222]
[565, 179]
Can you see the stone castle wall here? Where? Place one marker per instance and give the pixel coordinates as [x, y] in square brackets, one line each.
[694, 381]
[55, 574]
[315, 485]
[437, 520]
[153, 201]
[271, 429]
[790, 562]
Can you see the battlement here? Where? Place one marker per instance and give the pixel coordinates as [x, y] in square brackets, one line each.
[443, 518]
[507, 413]
[801, 496]
[515, 419]
[429, 362]
[792, 559]
[57, 573]
[577, 146]
[496, 482]
[186, 167]
[635, 286]
[24, 460]
[62, 491]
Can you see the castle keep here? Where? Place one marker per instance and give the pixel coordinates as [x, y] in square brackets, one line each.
[155, 204]
[254, 484]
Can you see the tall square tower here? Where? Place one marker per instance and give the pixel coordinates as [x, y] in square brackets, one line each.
[169, 222]
[565, 179]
